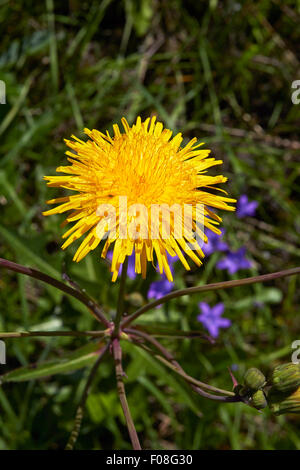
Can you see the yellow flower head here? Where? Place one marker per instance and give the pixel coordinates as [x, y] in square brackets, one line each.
[139, 190]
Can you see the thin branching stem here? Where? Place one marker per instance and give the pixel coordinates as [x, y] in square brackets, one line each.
[120, 306]
[117, 352]
[170, 362]
[159, 332]
[210, 396]
[193, 381]
[80, 410]
[209, 287]
[190, 381]
[79, 295]
[167, 354]
[26, 334]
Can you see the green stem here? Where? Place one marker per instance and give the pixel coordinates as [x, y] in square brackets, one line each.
[209, 287]
[120, 305]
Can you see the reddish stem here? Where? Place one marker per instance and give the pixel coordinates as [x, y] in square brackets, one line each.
[85, 299]
[209, 287]
[169, 360]
[117, 352]
[79, 413]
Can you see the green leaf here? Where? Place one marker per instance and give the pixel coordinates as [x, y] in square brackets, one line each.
[24, 252]
[268, 295]
[140, 13]
[100, 405]
[160, 397]
[80, 358]
[155, 368]
[165, 331]
[21, 247]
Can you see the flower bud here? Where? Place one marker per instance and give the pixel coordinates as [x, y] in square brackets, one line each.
[254, 379]
[258, 400]
[289, 404]
[286, 377]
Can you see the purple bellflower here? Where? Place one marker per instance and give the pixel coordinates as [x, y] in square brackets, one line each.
[211, 318]
[234, 261]
[158, 289]
[131, 265]
[245, 207]
[215, 243]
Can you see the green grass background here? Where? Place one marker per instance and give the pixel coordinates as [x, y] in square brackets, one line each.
[220, 71]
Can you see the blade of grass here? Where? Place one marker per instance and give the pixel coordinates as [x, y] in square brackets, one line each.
[77, 360]
[52, 45]
[17, 105]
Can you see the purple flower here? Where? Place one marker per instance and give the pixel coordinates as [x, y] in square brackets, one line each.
[245, 207]
[131, 265]
[158, 289]
[234, 260]
[215, 243]
[211, 318]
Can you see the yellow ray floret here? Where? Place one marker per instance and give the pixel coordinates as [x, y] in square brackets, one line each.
[157, 177]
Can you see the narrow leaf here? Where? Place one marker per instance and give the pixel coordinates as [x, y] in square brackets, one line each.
[80, 358]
